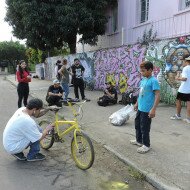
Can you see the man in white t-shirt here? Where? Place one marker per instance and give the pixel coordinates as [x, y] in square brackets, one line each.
[183, 91]
[22, 131]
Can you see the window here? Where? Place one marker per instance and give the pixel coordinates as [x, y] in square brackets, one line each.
[113, 22]
[142, 10]
[184, 4]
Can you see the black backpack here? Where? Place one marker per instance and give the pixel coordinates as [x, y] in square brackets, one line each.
[128, 98]
[103, 101]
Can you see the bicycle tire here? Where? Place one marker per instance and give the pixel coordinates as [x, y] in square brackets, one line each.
[82, 140]
[47, 142]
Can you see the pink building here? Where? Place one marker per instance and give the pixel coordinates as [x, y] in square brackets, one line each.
[129, 20]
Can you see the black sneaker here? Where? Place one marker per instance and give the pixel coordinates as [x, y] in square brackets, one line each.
[37, 157]
[88, 100]
[20, 156]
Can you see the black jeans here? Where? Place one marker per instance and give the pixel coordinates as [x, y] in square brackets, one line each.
[78, 83]
[54, 100]
[142, 126]
[23, 92]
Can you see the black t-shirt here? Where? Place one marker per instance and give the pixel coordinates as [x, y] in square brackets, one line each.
[77, 71]
[112, 91]
[54, 90]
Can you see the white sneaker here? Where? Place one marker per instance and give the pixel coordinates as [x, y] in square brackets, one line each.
[134, 142]
[187, 120]
[175, 117]
[143, 149]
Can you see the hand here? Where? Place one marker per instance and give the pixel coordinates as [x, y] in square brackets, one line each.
[152, 113]
[50, 127]
[59, 94]
[135, 107]
[28, 77]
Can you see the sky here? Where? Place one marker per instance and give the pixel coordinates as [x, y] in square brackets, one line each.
[5, 29]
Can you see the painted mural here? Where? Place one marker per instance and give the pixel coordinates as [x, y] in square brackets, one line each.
[119, 66]
[167, 55]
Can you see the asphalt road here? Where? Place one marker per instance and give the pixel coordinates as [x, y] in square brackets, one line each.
[58, 171]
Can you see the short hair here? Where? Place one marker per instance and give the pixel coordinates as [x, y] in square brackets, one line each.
[34, 103]
[76, 59]
[64, 61]
[147, 65]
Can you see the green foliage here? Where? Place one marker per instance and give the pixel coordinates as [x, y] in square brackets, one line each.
[47, 24]
[12, 52]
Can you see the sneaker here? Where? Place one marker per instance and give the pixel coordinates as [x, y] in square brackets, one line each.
[20, 156]
[176, 117]
[134, 142]
[76, 100]
[143, 149]
[37, 157]
[88, 100]
[187, 120]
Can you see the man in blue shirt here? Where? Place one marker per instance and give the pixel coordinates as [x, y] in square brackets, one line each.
[149, 97]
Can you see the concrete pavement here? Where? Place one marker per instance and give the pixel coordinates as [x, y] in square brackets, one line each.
[166, 166]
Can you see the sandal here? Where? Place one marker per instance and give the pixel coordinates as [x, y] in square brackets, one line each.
[143, 149]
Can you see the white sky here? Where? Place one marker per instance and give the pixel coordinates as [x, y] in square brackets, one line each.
[5, 29]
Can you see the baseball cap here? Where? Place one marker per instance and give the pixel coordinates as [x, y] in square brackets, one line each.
[56, 81]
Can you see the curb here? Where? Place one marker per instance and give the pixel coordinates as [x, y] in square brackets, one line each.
[157, 181]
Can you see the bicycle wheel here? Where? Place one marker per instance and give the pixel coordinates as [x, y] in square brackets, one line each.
[48, 141]
[84, 155]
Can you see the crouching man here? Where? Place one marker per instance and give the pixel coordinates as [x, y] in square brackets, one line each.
[22, 132]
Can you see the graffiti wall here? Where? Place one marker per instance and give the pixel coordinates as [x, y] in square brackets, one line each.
[166, 55]
[119, 66]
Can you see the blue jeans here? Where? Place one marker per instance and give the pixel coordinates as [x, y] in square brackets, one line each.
[65, 87]
[34, 149]
[142, 126]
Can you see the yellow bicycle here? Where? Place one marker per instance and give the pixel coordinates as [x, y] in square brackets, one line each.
[81, 146]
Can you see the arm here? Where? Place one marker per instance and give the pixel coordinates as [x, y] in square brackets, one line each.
[181, 78]
[152, 112]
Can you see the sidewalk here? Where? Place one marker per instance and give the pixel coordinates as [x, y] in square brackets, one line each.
[166, 166]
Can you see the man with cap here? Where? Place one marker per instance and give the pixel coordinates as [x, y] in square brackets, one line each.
[184, 90]
[109, 97]
[54, 94]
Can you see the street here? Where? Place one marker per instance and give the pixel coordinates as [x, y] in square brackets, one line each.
[58, 171]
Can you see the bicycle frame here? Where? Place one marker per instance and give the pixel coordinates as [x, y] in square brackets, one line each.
[74, 125]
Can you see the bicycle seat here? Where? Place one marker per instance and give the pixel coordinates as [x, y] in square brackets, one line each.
[54, 108]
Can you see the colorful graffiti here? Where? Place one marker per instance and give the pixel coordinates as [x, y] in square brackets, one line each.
[119, 66]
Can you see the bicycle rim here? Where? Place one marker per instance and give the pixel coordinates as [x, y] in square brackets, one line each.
[48, 141]
[84, 155]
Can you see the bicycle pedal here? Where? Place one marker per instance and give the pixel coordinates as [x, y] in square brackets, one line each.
[62, 140]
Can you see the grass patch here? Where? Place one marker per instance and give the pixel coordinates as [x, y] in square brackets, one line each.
[135, 174]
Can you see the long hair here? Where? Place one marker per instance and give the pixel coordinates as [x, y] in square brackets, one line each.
[21, 70]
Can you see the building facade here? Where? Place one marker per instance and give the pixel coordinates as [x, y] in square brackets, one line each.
[131, 19]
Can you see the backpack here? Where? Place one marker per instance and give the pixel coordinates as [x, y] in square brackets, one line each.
[128, 98]
[103, 101]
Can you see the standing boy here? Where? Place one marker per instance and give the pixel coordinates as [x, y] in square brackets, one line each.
[149, 97]
[183, 91]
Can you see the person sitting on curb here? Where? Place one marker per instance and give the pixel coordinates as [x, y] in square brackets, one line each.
[184, 90]
[109, 97]
[22, 132]
[54, 94]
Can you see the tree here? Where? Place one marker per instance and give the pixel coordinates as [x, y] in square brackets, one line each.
[47, 24]
[12, 52]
